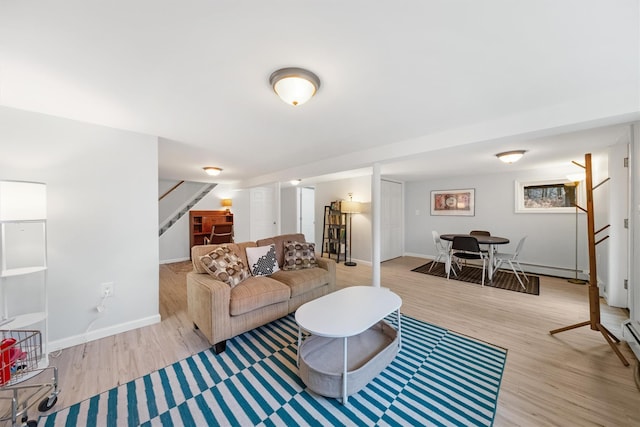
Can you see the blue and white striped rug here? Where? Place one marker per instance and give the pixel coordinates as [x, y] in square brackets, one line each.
[437, 378]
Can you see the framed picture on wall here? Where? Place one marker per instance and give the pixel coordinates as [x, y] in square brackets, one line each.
[453, 202]
[550, 196]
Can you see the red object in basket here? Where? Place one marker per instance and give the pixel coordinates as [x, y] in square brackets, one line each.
[5, 359]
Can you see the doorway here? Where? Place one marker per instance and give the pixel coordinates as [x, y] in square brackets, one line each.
[307, 213]
[391, 242]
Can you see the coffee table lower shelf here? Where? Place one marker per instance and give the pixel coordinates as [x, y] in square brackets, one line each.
[321, 360]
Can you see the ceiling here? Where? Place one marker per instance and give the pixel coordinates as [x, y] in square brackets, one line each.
[414, 87]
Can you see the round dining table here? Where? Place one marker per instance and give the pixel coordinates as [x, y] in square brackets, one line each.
[490, 241]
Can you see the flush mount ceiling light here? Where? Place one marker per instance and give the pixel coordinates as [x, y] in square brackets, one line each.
[511, 156]
[213, 171]
[295, 181]
[295, 86]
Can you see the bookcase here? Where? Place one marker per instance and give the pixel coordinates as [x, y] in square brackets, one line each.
[334, 233]
[23, 260]
[201, 224]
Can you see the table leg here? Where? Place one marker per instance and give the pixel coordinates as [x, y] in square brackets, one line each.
[298, 349]
[399, 330]
[490, 268]
[344, 374]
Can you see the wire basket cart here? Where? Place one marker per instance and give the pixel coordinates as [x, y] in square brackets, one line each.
[21, 363]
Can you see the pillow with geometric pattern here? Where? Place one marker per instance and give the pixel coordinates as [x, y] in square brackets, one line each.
[262, 260]
[299, 255]
[224, 265]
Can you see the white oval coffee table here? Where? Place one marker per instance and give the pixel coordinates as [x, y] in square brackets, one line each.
[355, 312]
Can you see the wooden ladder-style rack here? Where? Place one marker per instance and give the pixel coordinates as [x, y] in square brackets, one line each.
[594, 292]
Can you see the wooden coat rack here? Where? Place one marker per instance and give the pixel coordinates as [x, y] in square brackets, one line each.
[594, 292]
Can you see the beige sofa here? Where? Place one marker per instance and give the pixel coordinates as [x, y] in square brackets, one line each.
[222, 312]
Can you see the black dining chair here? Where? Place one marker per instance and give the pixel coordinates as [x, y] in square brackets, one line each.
[483, 248]
[467, 248]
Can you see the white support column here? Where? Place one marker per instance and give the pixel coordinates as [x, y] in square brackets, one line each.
[277, 200]
[375, 225]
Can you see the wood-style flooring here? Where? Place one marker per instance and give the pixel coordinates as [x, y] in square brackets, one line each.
[569, 379]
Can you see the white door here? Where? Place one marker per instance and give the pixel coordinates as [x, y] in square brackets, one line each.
[307, 213]
[263, 213]
[390, 220]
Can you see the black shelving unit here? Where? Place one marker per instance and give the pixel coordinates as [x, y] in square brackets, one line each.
[334, 233]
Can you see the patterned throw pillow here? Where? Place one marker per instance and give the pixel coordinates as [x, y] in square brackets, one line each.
[225, 266]
[299, 255]
[262, 260]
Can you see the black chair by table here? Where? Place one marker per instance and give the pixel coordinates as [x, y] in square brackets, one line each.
[480, 233]
[467, 248]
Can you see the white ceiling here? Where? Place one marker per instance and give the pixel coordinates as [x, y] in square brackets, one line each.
[410, 85]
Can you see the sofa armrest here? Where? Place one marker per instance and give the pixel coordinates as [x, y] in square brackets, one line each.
[330, 266]
[208, 306]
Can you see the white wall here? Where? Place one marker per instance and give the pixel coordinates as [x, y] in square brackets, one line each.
[102, 187]
[177, 199]
[289, 210]
[326, 192]
[551, 236]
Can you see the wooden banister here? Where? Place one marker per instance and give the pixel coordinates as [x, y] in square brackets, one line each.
[170, 190]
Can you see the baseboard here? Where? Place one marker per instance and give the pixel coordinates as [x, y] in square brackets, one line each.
[102, 333]
[415, 255]
[171, 261]
[545, 270]
[359, 261]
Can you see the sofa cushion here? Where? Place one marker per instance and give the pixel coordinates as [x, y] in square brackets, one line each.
[200, 250]
[224, 265]
[299, 255]
[301, 281]
[256, 292]
[262, 260]
[279, 242]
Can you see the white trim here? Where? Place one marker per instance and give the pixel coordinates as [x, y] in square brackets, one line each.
[102, 333]
[170, 261]
[359, 261]
[416, 255]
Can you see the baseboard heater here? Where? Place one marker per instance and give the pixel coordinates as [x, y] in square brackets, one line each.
[631, 334]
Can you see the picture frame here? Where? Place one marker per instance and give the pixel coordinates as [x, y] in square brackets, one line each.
[548, 196]
[453, 202]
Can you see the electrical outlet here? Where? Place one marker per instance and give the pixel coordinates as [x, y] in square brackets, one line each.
[107, 289]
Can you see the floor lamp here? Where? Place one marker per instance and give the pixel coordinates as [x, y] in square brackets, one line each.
[350, 207]
[576, 181]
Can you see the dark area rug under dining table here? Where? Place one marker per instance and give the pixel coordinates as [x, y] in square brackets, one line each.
[502, 279]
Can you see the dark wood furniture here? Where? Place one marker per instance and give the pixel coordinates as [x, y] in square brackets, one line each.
[334, 232]
[210, 227]
[594, 291]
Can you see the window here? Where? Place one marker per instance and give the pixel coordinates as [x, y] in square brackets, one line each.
[553, 196]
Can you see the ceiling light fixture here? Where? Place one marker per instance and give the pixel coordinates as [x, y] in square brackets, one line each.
[511, 156]
[213, 171]
[295, 86]
[295, 181]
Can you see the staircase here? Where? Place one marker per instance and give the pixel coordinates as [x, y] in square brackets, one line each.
[186, 208]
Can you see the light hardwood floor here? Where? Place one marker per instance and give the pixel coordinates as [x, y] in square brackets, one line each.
[569, 379]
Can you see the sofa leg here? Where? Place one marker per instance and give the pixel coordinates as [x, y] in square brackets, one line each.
[220, 347]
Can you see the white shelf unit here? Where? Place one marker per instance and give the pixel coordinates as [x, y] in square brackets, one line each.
[23, 277]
